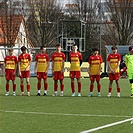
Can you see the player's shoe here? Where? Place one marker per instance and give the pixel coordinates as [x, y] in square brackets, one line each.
[118, 95]
[7, 94]
[79, 94]
[61, 94]
[22, 94]
[73, 94]
[44, 94]
[90, 95]
[38, 94]
[28, 94]
[99, 95]
[109, 95]
[55, 94]
[131, 95]
[14, 94]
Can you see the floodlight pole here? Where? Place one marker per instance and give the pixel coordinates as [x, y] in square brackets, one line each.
[100, 28]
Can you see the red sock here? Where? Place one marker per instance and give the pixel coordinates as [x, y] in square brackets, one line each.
[46, 86]
[7, 87]
[62, 87]
[28, 88]
[22, 87]
[72, 87]
[99, 87]
[39, 86]
[110, 89]
[79, 87]
[91, 87]
[55, 87]
[14, 87]
[118, 90]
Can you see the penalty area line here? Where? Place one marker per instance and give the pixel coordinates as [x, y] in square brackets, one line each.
[106, 126]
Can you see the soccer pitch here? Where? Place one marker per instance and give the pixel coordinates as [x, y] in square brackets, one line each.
[48, 114]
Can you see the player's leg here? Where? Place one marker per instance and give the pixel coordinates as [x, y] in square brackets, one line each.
[38, 86]
[28, 85]
[14, 87]
[45, 86]
[22, 86]
[7, 87]
[7, 76]
[118, 88]
[98, 85]
[92, 79]
[111, 78]
[13, 76]
[72, 75]
[131, 86]
[61, 87]
[78, 75]
[79, 87]
[55, 87]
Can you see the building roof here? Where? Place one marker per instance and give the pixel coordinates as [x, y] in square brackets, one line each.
[9, 29]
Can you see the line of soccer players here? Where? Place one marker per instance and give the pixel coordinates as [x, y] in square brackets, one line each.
[58, 59]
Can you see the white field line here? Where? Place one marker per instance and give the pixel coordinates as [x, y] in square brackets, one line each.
[62, 114]
[105, 126]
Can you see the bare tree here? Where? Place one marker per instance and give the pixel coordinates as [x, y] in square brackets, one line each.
[122, 22]
[42, 22]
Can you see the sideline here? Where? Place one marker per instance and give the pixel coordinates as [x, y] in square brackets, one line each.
[105, 126]
[62, 114]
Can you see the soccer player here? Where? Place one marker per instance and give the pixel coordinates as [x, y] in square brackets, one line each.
[41, 69]
[94, 70]
[75, 59]
[114, 71]
[24, 61]
[10, 66]
[58, 59]
[129, 64]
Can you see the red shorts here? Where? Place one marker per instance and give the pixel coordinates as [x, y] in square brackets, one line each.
[115, 76]
[58, 75]
[25, 74]
[10, 74]
[93, 77]
[42, 75]
[74, 74]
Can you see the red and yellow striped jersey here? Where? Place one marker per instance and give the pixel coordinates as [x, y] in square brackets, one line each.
[114, 60]
[24, 60]
[10, 62]
[95, 63]
[75, 61]
[42, 60]
[58, 59]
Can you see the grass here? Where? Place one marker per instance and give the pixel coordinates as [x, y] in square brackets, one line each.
[65, 114]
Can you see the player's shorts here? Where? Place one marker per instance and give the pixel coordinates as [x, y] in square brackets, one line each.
[115, 76]
[93, 77]
[25, 74]
[10, 74]
[58, 75]
[130, 75]
[41, 75]
[75, 74]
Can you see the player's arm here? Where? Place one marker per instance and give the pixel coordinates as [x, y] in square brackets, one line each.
[28, 66]
[4, 65]
[63, 64]
[118, 64]
[15, 65]
[35, 67]
[100, 66]
[112, 71]
[53, 67]
[48, 64]
[89, 69]
[19, 69]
